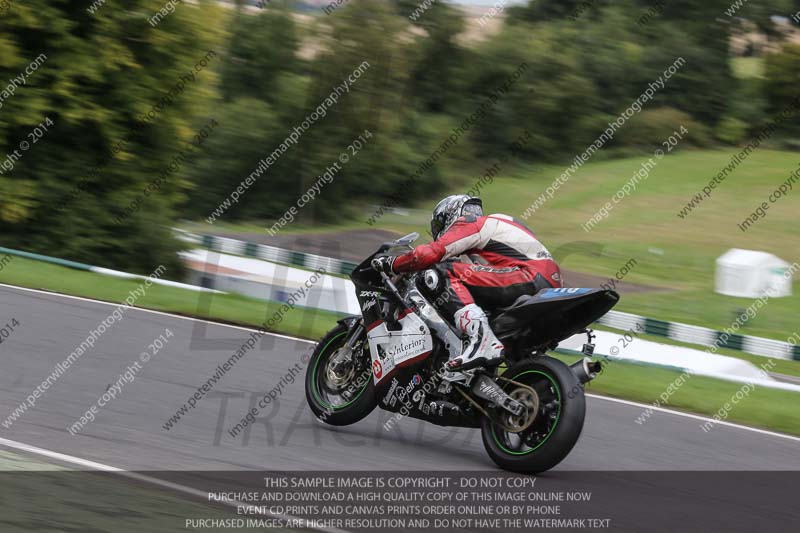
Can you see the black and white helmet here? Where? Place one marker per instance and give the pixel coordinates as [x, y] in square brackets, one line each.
[450, 209]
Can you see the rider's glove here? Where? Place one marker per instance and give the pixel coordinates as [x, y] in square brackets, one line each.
[383, 264]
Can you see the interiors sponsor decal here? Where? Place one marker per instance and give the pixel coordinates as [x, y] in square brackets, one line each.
[402, 348]
[391, 348]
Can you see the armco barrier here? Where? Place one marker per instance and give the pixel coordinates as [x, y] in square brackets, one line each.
[269, 253]
[100, 270]
[700, 335]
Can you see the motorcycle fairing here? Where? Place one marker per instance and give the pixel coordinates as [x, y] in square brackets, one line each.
[390, 350]
[552, 315]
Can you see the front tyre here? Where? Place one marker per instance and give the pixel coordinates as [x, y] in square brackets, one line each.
[543, 436]
[339, 386]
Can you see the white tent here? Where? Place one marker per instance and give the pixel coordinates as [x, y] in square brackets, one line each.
[751, 274]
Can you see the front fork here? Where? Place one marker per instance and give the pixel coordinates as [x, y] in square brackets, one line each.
[356, 330]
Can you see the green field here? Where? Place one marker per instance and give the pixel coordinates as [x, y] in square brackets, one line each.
[672, 253]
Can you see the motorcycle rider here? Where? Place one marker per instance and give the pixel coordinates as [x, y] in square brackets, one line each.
[505, 261]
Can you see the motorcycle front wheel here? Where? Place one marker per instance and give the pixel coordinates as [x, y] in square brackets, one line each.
[339, 386]
[544, 434]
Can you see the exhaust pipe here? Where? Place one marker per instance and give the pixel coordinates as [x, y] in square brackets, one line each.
[586, 369]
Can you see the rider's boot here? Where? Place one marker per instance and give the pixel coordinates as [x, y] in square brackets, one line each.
[483, 349]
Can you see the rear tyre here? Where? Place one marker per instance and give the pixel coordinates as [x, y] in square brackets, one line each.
[339, 387]
[559, 406]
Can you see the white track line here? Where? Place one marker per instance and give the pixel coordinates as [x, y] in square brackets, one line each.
[58, 456]
[696, 417]
[606, 398]
[77, 461]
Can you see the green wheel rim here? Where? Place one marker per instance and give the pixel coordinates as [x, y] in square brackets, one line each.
[314, 380]
[555, 424]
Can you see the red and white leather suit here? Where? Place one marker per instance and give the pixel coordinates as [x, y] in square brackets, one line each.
[509, 261]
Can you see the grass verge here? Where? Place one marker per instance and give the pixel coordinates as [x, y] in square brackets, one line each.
[760, 407]
[229, 308]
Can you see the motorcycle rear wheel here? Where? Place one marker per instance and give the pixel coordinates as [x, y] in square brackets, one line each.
[339, 394]
[560, 411]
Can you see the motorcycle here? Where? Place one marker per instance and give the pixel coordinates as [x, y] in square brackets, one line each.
[530, 408]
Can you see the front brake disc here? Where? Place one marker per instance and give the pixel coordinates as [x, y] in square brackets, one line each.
[334, 376]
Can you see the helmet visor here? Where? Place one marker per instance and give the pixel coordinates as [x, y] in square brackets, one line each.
[437, 225]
